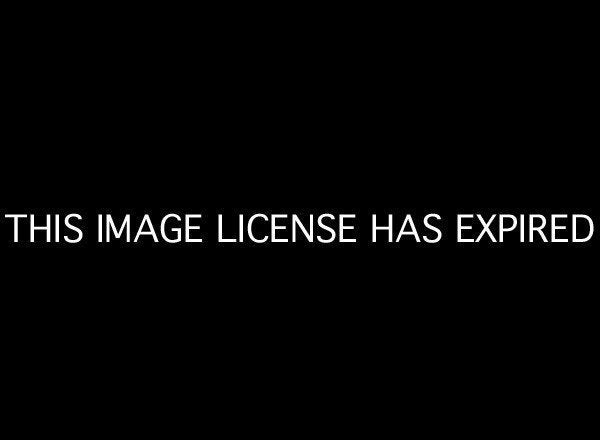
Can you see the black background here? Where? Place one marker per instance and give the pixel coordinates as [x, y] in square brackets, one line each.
[386, 112]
